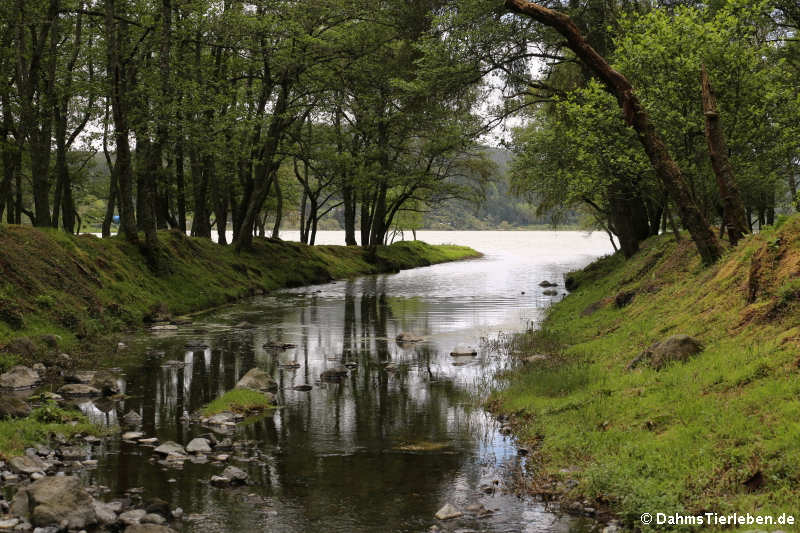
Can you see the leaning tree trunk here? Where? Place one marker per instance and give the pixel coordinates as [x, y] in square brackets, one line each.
[635, 115]
[733, 212]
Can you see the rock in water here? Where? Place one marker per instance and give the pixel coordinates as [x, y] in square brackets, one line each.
[448, 512]
[52, 501]
[11, 407]
[19, 377]
[198, 445]
[132, 418]
[408, 337]
[463, 349]
[79, 390]
[334, 374]
[170, 448]
[257, 379]
[236, 475]
[105, 382]
[546, 284]
[148, 528]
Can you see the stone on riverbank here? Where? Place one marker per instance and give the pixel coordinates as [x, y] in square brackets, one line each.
[676, 348]
[51, 501]
[27, 464]
[257, 379]
[11, 407]
[19, 377]
[79, 390]
[448, 512]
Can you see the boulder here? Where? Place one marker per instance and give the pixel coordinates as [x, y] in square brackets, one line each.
[11, 407]
[132, 517]
[19, 377]
[408, 337]
[198, 445]
[236, 475]
[26, 464]
[257, 379]
[79, 376]
[170, 448]
[132, 418]
[104, 512]
[676, 348]
[448, 512]
[463, 349]
[52, 501]
[333, 374]
[78, 390]
[105, 382]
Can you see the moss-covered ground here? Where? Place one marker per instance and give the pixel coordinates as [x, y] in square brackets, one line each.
[82, 288]
[718, 433]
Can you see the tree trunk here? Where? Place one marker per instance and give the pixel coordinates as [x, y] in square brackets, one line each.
[668, 172]
[733, 211]
[276, 228]
[118, 76]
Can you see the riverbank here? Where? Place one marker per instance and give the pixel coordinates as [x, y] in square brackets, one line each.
[59, 292]
[715, 431]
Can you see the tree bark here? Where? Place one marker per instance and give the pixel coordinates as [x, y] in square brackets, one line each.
[733, 211]
[668, 172]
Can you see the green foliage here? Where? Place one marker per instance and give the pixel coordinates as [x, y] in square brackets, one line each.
[50, 413]
[241, 401]
[8, 361]
[686, 437]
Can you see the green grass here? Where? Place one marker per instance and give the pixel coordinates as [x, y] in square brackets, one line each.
[241, 401]
[82, 288]
[684, 439]
[43, 423]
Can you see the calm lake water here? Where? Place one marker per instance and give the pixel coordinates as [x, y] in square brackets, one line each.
[384, 449]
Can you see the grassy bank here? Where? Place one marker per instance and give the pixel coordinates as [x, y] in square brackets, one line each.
[718, 433]
[59, 291]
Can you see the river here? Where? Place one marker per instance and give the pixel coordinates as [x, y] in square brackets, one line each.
[381, 451]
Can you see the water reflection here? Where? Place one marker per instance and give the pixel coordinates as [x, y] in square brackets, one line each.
[381, 450]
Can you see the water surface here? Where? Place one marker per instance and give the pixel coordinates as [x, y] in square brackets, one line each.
[384, 449]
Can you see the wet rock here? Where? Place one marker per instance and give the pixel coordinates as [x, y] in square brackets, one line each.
[164, 327]
[222, 457]
[11, 407]
[26, 464]
[351, 365]
[104, 512]
[72, 453]
[225, 418]
[448, 512]
[236, 475]
[334, 374]
[132, 418]
[53, 501]
[170, 448]
[132, 435]
[9, 523]
[198, 445]
[105, 382]
[149, 441]
[75, 390]
[463, 349]
[79, 376]
[132, 517]
[257, 379]
[408, 337]
[676, 348]
[19, 377]
[152, 518]
[39, 368]
[612, 528]
[546, 284]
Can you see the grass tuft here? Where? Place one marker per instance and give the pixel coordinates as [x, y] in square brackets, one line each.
[242, 401]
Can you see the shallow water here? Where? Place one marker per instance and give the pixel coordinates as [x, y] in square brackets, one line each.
[384, 449]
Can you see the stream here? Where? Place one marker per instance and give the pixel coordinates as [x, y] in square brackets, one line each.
[385, 448]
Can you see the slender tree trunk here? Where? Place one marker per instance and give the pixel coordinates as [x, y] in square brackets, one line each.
[116, 36]
[276, 228]
[733, 211]
[180, 183]
[668, 172]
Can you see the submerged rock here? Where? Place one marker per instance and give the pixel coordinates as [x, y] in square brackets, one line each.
[19, 377]
[53, 501]
[448, 512]
[106, 382]
[257, 379]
